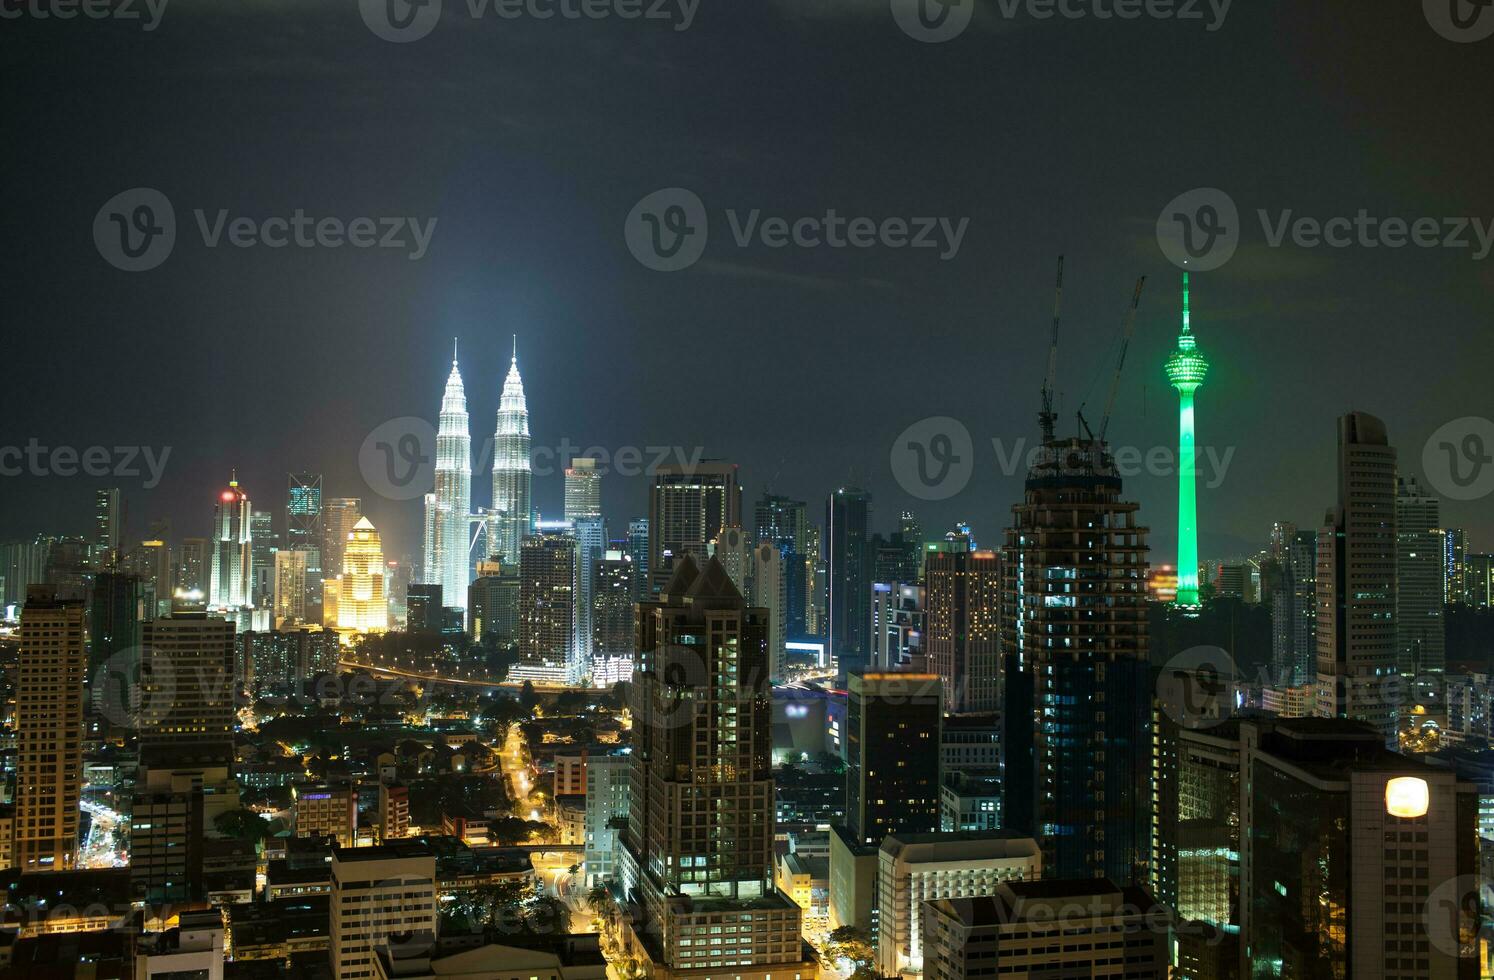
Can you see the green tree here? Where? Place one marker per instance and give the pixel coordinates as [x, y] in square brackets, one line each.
[850, 943]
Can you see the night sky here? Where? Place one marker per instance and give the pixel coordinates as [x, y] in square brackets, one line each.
[530, 141]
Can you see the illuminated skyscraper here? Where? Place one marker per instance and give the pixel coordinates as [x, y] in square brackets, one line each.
[49, 732]
[231, 575]
[688, 508]
[583, 489]
[547, 608]
[449, 506]
[303, 529]
[697, 850]
[107, 519]
[338, 518]
[361, 604]
[511, 520]
[1186, 370]
[963, 599]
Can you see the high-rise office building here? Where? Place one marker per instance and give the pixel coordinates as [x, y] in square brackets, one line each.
[1186, 369]
[512, 520]
[732, 550]
[1077, 689]
[911, 531]
[583, 489]
[151, 562]
[1357, 658]
[547, 608]
[963, 635]
[493, 603]
[612, 619]
[339, 516]
[1479, 589]
[607, 792]
[49, 732]
[638, 552]
[1421, 580]
[591, 545]
[781, 521]
[362, 605]
[382, 897]
[186, 683]
[449, 505]
[108, 521]
[893, 725]
[304, 532]
[1355, 861]
[290, 587]
[688, 507]
[899, 613]
[115, 612]
[231, 574]
[698, 849]
[192, 569]
[770, 591]
[22, 565]
[264, 544]
[847, 573]
[1455, 556]
[1294, 612]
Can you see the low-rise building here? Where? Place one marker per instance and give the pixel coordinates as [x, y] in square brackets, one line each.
[917, 868]
[1062, 927]
[327, 810]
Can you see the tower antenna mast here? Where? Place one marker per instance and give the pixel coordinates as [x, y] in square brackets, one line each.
[1047, 417]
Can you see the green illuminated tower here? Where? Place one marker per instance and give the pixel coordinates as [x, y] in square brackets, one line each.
[1186, 369]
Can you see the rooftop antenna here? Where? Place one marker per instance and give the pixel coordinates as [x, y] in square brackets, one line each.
[453, 351]
[1047, 417]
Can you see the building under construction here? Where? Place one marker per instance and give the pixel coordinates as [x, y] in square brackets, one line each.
[1076, 686]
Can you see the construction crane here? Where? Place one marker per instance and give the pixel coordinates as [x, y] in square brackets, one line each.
[1127, 332]
[1047, 417]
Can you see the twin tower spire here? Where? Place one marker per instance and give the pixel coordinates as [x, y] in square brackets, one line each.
[449, 515]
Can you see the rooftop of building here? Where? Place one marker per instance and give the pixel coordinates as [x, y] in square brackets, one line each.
[961, 845]
[1330, 747]
[1048, 900]
[383, 852]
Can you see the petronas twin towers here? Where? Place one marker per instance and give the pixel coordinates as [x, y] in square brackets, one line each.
[448, 509]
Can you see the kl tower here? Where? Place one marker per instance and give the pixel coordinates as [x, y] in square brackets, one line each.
[1186, 370]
